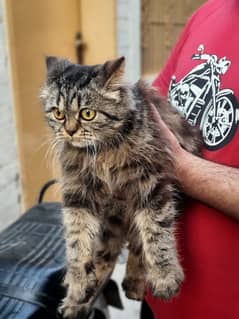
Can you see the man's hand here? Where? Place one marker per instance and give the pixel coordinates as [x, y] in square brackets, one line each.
[164, 130]
[214, 184]
[177, 151]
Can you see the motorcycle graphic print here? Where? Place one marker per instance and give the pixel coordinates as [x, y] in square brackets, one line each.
[198, 97]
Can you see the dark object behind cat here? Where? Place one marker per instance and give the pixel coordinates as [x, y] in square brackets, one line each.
[118, 179]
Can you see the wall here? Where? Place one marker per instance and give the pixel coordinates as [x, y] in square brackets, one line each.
[9, 181]
[36, 29]
[40, 28]
[162, 22]
[98, 28]
[128, 36]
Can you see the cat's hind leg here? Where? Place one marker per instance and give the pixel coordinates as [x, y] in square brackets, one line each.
[134, 281]
[108, 249]
[155, 229]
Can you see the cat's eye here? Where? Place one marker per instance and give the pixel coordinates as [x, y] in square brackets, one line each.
[88, 114]
[59, 115]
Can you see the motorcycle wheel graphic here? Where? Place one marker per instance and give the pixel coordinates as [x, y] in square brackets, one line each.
[218, 129]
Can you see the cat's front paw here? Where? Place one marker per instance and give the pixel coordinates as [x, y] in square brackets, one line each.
[71, 310]
[134, 288]
[166, 286]
[81, 287]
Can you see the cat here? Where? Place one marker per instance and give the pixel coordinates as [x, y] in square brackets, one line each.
[118, 179]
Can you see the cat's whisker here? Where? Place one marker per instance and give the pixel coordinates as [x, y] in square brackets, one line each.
[52, 154]
[45, 141]
[93, 139]
[87, 148]
[49, 148]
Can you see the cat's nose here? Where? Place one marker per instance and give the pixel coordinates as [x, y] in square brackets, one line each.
[71, 132]
[71, 126]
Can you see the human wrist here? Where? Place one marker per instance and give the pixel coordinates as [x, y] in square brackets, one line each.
[183, 161]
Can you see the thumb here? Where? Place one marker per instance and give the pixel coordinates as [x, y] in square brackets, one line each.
[162, 126]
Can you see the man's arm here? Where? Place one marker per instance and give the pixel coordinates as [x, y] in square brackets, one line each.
[214, 184]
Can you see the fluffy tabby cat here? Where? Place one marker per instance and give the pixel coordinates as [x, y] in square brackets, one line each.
[118, 179]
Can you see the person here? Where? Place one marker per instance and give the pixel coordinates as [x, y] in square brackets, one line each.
[201, 80]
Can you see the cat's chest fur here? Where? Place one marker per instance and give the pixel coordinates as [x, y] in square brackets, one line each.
[118, 174]
[124, 179]
[111, 167]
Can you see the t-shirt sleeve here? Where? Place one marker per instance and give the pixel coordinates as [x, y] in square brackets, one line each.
[161, 83]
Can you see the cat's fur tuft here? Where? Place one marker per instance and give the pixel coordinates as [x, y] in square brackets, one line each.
[118, 180]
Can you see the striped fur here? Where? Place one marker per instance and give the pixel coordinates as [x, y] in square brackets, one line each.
[118, 180]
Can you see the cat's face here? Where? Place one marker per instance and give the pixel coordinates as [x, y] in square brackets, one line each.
[86, 105]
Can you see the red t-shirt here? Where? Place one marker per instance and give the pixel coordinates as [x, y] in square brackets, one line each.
[205, 88]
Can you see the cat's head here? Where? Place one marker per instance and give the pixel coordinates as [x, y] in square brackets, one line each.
[86, 105]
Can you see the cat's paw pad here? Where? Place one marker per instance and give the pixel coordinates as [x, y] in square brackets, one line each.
[165, 287]
[134, 288]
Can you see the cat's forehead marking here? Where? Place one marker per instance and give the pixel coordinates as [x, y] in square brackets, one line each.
[74, 103]
[79, 75]
[67, 98]
[61, 103]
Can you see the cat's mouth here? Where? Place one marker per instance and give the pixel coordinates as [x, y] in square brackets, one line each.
[78, 143]
[82, 143]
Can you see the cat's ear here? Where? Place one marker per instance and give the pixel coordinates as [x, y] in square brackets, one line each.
[51, 63]
[113, 72]
[55, 66]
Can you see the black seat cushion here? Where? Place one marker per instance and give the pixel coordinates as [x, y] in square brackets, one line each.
[32, 264]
